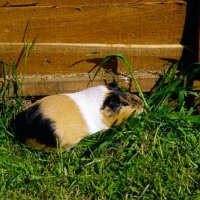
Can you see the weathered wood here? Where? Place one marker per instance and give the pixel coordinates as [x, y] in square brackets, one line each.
[147, 32]
[25, 3]
[54, 84]
[71, 58]
[112, 22]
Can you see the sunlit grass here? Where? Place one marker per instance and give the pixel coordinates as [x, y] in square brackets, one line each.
[152, 156]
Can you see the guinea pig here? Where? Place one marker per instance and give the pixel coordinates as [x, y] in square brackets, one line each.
[65, 119]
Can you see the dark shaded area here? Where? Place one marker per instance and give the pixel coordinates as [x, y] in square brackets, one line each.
[190, 36]
[170, 60]
[190, 42]
[111, 65]
[198, 33]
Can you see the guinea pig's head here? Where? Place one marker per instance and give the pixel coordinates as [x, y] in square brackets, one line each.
[118, 105]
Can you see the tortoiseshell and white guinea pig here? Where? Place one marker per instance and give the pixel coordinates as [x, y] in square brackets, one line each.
[71, 117]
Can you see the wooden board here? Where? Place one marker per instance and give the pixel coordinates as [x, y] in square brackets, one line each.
[71, 58]
[54, 84]
[112, 22]
[29, 3]
[148, 32]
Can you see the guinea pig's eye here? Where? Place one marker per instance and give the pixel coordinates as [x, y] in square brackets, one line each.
[124, 103]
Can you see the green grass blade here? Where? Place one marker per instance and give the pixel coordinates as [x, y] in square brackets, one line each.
[92, 53]
[123, 59]
[3, 90]
[100, 66]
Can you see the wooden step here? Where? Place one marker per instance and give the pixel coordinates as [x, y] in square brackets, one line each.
[67, 58]
[38, 85]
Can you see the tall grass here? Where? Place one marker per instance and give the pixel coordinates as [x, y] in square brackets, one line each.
[11, 91]
[152, 156]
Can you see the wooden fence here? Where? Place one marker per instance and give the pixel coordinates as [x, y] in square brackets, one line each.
[150, 33]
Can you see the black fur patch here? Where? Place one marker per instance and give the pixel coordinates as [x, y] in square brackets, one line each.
[30, 124]
[113, 102]
[114, 87]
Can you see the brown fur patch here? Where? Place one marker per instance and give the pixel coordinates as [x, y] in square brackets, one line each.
[70, 127]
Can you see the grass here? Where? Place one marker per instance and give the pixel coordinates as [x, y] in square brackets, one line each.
[153, 156]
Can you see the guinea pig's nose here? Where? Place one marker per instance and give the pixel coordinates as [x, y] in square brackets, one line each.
[142, 109]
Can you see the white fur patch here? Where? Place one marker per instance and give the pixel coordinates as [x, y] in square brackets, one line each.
[89, 102]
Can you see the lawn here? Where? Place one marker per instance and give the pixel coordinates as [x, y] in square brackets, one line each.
[155, 155]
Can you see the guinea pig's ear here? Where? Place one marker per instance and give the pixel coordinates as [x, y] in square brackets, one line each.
[112, 101]
[113, 85]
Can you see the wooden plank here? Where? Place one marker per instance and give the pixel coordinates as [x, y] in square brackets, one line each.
[71, 58]
[121, 23]
[56, 84]
[29, 3]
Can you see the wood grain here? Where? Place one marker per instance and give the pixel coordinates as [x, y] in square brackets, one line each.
[71, 58]
[24, 3]
[147, 32]
[130, 22]
[56, 84]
